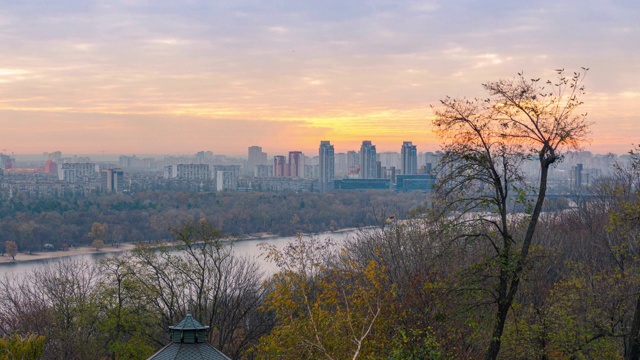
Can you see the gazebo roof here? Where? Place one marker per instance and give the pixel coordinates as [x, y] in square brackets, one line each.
[182, 351]
[188, 343]
[188, 323]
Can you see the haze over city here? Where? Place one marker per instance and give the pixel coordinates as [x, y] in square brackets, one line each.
[151, 77]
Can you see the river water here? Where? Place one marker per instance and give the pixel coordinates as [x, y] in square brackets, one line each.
[248, 248]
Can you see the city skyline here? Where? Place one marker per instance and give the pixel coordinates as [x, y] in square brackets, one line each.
[268, 157]
[142, 77]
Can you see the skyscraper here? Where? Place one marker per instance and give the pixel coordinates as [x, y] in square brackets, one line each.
[256, 157]
[368, 167]
[409, 155]
[296, 164]
[279, 166]
[327, 165]
[353, 161]
[112, 180]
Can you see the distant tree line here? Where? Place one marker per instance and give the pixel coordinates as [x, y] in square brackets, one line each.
[149, 216]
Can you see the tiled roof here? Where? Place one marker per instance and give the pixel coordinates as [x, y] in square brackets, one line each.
[181, 351]
[188, 343]
[188, 323]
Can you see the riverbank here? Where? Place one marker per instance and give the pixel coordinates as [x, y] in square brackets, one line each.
[88, 250]
[81, 250]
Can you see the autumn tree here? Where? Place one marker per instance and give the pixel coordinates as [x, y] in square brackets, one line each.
[625, 217]
[326, 307]
[485, 143]
[419, 266]
[11, 248]
[98, 231]
[98, 244]
[30, 347]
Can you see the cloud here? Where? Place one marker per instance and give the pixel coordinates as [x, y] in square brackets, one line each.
[14, 75]
[265, 61]
[630, 94]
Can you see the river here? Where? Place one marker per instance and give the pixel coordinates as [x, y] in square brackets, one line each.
[248, 248]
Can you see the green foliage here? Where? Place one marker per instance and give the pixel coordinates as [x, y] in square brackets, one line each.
[16, 347]
[416, 345]
[129, 323]
[133, 349]
[584, 317]
[149, 216]
[98, 244]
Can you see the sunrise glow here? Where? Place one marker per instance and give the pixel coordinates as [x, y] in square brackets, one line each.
[167, 77]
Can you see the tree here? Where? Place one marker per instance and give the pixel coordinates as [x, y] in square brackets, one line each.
[12, 248]
[30, 347]
[98, 230]
[480, 178]
[98, 244]
[625, 218]
[59, 302]
[221, 290]
[129, 324]
[326, 307]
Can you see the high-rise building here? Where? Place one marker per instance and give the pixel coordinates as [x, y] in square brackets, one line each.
[6, 161]
[256, 157]
[225, 177]
[431, 161]
[55, 156]
[389, 159]
[577, 176]
[327, 165]
[74, 172]
[409, 155]
[296, 164]
[279, 166]
[112, 180]
[353, 161]
[187, 171]
[50, 167]
[368, 167]
[341, 168]
[263, 171]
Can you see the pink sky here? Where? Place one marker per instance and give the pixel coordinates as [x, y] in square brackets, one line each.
[140, 77]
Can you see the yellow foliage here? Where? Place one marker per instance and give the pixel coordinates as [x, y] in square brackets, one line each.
[29, 347]
[331, 310]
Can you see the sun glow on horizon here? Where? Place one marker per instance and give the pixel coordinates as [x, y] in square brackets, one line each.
[163, 76]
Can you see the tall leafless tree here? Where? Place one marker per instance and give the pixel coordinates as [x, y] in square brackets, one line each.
[206, 278]
[485, 142]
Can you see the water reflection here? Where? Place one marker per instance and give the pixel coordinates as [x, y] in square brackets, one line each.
[249, 248]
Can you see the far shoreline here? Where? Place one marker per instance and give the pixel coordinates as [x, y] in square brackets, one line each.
[56, 254]
[124, 246]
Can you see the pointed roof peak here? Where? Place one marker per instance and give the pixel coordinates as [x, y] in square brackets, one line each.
[188, 323]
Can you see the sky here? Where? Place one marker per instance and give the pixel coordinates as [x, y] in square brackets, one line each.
[180, 76]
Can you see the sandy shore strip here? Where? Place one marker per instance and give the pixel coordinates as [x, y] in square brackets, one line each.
[85, 250]
[82, 250]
